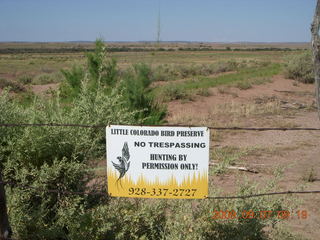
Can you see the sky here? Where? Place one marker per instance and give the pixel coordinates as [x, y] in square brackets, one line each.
[137, 20]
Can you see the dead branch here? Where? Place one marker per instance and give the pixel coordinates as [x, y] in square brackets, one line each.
[245, 169]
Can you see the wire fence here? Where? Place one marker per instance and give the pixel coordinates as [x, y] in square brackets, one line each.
[13, 184]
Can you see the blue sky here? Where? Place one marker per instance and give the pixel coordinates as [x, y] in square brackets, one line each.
[136, 20]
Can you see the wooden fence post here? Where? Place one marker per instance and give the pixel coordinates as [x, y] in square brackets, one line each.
[5, 230]
[316, 52]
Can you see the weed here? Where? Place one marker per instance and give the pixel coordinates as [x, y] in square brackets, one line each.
[224, 90]
[12, 85]
[262, 80]
[243, 85]
[246, 110]
[171, 72]
[247, 84]
[25, 79]
[225, 157]
[203, 92]
[46, 78]
[309, 175]
[172, 92]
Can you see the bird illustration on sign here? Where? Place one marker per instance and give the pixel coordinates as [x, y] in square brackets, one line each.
[124, 163]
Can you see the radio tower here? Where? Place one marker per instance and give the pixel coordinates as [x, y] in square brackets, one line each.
[158, 25]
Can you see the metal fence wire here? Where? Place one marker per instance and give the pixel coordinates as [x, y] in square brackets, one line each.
[13, 184]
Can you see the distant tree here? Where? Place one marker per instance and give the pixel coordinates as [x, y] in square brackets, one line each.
[315, 27]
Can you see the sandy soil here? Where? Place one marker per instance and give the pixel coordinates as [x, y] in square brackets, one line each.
[298, 152]
[44, 89]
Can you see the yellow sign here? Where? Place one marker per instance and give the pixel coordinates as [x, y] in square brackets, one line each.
[158, 162]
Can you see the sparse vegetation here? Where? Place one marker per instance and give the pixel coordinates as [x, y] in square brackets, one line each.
[247, 84]
[97, 89]
[241, 78]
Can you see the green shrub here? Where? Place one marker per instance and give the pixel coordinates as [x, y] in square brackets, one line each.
[25, 79]
[74, 77]
[140, 219]
[40, 214]
[300, 68]
[56, 158]
[10, 113]
[194, 219]
[71, 87]
[136, 92]
[102, 69]
[101, 72]
[133, 84]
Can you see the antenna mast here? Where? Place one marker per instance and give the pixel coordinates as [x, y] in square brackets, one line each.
[158, 24]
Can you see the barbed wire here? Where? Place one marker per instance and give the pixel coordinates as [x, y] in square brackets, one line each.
[103, 126]
[265, 194]
[106, 194]
[170, 125]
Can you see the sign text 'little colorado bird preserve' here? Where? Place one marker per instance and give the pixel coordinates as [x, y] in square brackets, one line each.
[158, 162]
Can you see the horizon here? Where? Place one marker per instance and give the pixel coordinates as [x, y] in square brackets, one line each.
[151, 41]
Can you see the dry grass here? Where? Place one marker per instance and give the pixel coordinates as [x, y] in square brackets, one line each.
[226, 90]
[228, 114]
[309, 175]
[237, 110]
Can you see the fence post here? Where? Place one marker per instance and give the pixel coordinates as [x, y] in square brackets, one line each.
[5, 230]
[315, 49]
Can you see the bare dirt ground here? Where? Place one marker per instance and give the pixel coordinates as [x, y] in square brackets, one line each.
[281, 103]
[44, 88]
